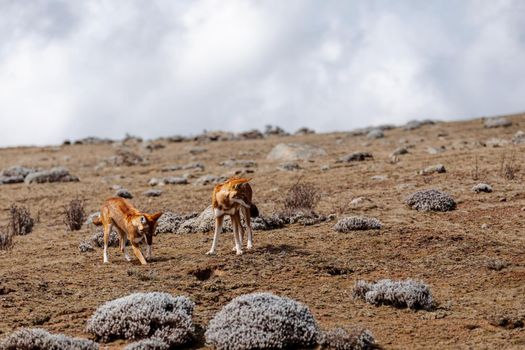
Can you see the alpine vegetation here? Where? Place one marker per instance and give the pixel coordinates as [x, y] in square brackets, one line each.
[481, 187]
[430, 200]
[148, 344]
[404, 293]
[355, 338]
[40, 339]
[262, 321]
[155, 315]
[354, 223]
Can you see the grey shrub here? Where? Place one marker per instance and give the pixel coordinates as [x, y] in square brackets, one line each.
[404, 293]
[40, 339]
[431, 200]
[262, 321]
[145, 315]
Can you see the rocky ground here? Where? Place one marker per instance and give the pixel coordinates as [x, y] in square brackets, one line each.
[472, 258]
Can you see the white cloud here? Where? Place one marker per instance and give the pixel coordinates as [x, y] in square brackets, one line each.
[73, 69]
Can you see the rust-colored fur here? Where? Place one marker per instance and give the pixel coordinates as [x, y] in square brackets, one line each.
[131, 225]
[231, 198]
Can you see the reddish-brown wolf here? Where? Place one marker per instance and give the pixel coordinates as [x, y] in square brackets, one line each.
[231, 198]
[131, 225]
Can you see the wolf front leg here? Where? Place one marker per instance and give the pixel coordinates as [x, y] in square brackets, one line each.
[107, 231]
[138, 253]
[237, 229]
[218, 229]
[248, 220]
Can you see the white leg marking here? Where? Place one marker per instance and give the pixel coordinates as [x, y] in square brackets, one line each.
[218, 229]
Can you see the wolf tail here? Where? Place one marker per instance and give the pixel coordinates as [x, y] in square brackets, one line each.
[97, 221]
[254, 211]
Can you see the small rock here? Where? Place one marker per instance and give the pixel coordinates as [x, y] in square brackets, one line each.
[399, 151]
[484, 227]
[304, 131]
[325, 167]
[175, 180]
[434, 150]
[497, 122]
[153, 193]
[496, 142]
[209, 180]
[355, 157]
[438, 168]
[379, 177]
[289, 167]
[58, 174]
[518, 138]
[197, 150]
[155, 181]
[124, 193]
[375, 134]
[503, 199]
[295, 151]
[481, 187]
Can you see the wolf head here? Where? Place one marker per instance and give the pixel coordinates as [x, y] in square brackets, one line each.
[146, 225]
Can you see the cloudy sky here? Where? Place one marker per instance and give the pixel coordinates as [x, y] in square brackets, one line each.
[70, 69]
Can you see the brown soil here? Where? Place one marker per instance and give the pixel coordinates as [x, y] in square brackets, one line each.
[46, 282]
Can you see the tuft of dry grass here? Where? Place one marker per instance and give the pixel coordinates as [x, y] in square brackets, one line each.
[75, 215]
[6, 240]
[302, 196]
[509, 168]
[20, 220]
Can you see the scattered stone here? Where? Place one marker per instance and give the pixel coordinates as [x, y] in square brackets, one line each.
[265, 223]
[481, 187]
[209, 180]
[274, 130]
[399, 151]
[295, 151]
[93, 141]
[58, 174]
[124, 193]
[375, 134]
[5, 180]
[503, 199]
[438, 168]
[434, 150]
[354, 223]
[430, 200]
[355, 157]
[509, 320]
[497, 122]
[304, 131]
[251, 135]
[497, 264]
[484, 227]
[197, 150]
[97, 240]
[175, 180]
[154, 146]
[496, 142]
[238, 163]
[289, 167]
[518, 138]
[155, 181]
[17, 171]
[325, 167]
[152, 193]
[416, 124]
[204, 222]
[379, 177]
[170, 222]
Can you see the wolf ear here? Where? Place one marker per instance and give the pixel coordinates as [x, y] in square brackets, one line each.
[154, 217]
